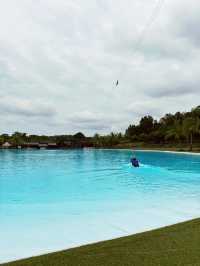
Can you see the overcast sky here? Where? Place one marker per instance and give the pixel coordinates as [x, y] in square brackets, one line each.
[60, 59]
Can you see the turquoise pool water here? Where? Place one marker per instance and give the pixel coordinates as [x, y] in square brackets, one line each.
[56, 199]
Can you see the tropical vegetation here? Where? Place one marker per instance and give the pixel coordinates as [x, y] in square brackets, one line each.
[181, 128]
[172, 128]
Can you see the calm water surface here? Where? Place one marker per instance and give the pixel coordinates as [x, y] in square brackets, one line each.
[51, 200]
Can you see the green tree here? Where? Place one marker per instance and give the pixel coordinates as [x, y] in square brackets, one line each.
[18, 138]
[191, 125]
[1, 140]
[79, 136]
[146, 124]
[97, 140]
[175, 132]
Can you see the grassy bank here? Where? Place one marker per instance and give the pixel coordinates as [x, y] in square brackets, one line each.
[174, 245]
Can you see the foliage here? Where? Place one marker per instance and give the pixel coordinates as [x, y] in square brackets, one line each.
[17, 138]
[79, 135]
[108, 140]
[181, 128]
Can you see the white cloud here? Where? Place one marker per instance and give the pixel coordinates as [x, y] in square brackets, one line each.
[59, 61]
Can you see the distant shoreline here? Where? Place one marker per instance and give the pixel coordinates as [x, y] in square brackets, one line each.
[161, 148]
[166, 150]
[154, 150]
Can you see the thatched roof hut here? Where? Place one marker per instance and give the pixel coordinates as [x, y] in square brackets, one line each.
[6, 145]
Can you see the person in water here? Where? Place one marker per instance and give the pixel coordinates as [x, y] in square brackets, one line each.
[135, 162]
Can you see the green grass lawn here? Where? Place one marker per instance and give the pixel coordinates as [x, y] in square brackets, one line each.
[174, 245]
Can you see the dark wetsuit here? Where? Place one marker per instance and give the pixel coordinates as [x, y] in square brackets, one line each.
[135, 162]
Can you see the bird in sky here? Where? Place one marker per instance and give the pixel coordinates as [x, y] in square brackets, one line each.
[117, 83]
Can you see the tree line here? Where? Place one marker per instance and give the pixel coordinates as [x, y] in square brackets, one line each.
[19, 138]
[179, 128]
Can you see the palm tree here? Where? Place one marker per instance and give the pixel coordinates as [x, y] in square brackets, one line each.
[97, 140]
[175, 132]
[191, 125]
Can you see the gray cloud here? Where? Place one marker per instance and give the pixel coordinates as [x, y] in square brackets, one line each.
[27, 108]
[186, 21]
[59, 61]
[96, 121]
[143, 108]
[175, 89]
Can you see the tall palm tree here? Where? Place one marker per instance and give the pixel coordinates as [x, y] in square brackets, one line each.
[175, 132]
[191, 126]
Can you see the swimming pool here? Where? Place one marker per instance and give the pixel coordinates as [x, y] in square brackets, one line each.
[56, 199]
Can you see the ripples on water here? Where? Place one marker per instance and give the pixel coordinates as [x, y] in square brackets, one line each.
[72, 197]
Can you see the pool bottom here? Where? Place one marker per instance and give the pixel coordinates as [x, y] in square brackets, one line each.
[58, 230]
